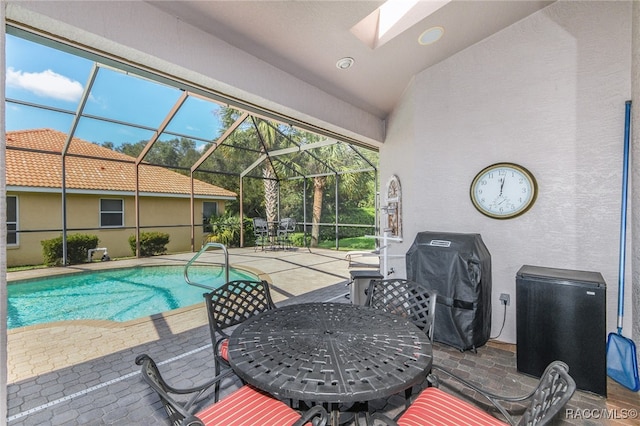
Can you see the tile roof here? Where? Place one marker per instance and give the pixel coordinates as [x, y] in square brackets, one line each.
[38, 169]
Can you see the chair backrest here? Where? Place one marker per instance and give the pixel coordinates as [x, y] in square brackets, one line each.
[406, 298]
[290, 224]
[235, 302]
[260, 226]
[555, 389]
[151, 375]
[287, 224]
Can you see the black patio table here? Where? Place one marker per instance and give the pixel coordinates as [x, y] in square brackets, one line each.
[272, 232]
[330, 353]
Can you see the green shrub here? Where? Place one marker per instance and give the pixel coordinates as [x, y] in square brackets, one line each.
[151, 243]
[225, 230]
[227, 237]
[78, 246]
[249, 236]
[297, 239]
[352, 215]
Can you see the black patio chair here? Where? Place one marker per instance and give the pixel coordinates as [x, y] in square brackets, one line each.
[260, 232]
[286, 227]
[247, 406]
[406, 298]
[230, 305]
[434, 406]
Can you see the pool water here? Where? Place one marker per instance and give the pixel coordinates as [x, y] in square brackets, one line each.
[114, 294]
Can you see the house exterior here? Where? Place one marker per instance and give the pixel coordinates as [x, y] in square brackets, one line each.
[100, 197]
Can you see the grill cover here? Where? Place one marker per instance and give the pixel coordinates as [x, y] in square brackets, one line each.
[458, 267]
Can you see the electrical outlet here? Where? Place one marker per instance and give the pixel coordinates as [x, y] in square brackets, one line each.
[505, 298]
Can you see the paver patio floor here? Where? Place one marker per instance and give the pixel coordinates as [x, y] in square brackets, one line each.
[83, 372]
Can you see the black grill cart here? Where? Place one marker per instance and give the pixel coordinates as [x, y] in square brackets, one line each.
[458, 267]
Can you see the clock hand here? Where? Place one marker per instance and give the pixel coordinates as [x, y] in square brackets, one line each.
[501, 185]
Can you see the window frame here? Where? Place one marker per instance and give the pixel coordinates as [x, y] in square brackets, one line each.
[111, 212]
[206, 227]
[15, 223]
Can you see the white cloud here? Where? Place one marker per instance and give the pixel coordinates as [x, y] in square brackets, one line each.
[47, 84]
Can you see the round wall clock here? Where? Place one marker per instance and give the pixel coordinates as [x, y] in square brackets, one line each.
[503, 190]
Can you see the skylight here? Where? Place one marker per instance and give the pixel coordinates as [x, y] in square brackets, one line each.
[393, 18]
[391, 12]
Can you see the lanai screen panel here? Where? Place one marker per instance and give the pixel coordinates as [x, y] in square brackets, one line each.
[129, 99]
[231, 160]
[116, 136]
[238, 151]
[197, 118]
[124, 111]
[126, 108]
[130, 111]
[45, 94]
[26, 117]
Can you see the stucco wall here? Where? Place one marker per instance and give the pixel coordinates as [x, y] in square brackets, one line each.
[42, 212]
[35, 212]
[547, 93]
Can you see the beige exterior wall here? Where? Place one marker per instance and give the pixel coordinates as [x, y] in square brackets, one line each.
[40, 218]
[35, 212]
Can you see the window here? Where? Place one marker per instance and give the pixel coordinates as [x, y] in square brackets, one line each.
[111, 213]
[12, 220]
[209, 209]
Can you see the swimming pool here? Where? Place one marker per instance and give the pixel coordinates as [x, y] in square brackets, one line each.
[114, 294]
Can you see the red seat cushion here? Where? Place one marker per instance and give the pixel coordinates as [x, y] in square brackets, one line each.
[223, 349]
[248, 406]
[436, 407]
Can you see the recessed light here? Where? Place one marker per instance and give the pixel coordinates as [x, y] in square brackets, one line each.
[431, 35]
[344, 63]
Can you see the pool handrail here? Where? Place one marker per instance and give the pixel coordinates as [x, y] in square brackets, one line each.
[202, 250]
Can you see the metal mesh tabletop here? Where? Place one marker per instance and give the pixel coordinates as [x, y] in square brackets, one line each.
[330, 352]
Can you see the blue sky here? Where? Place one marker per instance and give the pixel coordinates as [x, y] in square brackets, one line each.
[45, 76]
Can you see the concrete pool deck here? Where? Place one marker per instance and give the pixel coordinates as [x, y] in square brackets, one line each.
[39, 349]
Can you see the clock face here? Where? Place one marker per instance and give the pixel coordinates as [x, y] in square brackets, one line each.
[503, 190]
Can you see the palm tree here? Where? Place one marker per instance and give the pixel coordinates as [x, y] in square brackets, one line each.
[238, 151]
[265, 137]
[268, 135]
[319, 184]
[327, 159]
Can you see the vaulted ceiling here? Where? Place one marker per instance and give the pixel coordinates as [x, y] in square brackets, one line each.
[307, 38]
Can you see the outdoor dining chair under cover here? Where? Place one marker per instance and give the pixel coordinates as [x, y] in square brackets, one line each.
[246, 406]
[230, 305]
[434, 406]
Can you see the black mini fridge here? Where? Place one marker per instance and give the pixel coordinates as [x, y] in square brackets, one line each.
[560, 315]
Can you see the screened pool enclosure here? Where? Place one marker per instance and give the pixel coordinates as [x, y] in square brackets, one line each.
[276, 166]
